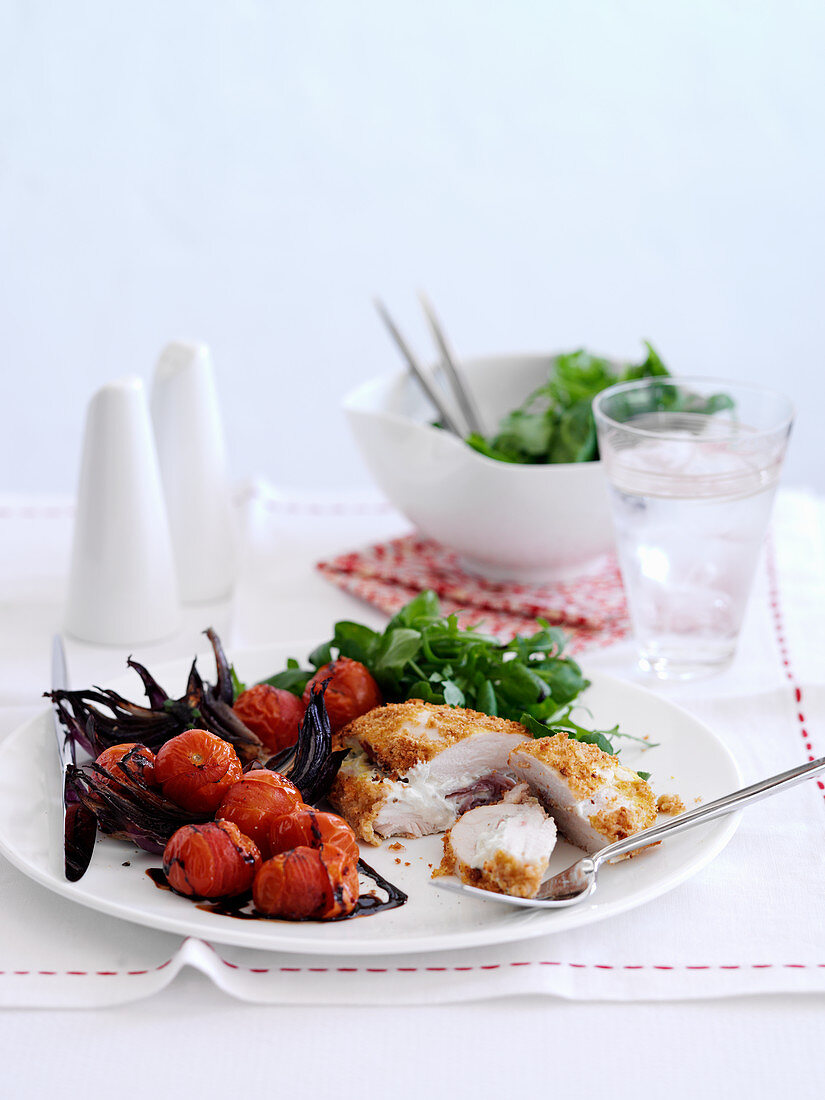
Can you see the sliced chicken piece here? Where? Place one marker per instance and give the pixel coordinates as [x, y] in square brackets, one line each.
[505, 848]
[414, 766]
[593, 798]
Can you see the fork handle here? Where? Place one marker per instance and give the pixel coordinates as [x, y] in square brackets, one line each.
[709, 812]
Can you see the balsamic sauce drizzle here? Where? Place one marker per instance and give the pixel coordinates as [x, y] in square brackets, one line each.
[241, 907]
[369, 903]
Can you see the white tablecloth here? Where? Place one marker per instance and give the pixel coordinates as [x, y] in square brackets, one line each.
[749, 924]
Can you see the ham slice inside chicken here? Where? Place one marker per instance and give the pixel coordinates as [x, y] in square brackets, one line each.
[414, 767]
[472, 772]
[592, 798]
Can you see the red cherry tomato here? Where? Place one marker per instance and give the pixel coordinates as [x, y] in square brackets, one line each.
[214, 860]
[342, 869]
[351, 692]
[316, 883]
[304, 826]
[139, 759]
[259, 799]
[196, 768]
[295, 883]
[272, 714]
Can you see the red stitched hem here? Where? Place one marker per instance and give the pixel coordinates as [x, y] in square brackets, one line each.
[661, 967]
[775, 601]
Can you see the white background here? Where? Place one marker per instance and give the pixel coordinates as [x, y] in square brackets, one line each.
[251, 173]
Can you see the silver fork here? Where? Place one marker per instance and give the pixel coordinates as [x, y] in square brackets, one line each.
[579, 881]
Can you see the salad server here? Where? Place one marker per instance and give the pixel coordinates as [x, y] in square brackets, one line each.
[79, 824]
[459, 386]
[579, 881]
[418, 372]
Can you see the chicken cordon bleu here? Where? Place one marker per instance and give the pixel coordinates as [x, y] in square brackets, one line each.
[414, 767]
[592, 797]
[505, 848]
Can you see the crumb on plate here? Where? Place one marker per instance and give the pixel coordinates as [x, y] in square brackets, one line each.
[670, 804]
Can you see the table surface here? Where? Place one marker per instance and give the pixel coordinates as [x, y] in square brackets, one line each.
[750, 1045]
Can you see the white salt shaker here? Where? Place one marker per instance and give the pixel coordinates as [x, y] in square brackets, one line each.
[193, 466]
[122, 586]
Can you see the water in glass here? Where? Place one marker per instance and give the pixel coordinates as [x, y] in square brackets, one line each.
[689, 522]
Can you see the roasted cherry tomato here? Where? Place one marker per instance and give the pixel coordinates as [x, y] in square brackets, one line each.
[272, 714]
[196, 769]
[306, 883]
[342, 868]
[138, 759]
[214, 860]
[289, 886]
[350, 693]
[256, 801]
[312, 829]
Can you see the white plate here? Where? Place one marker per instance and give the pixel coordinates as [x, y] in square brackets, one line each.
[690, 761]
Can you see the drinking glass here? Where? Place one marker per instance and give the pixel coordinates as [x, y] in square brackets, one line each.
[692, 467]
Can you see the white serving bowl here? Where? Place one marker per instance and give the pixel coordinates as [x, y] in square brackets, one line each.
[506, 521]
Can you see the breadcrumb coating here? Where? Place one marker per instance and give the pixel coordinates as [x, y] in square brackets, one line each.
[358, 799]
[582, 766]
[398, 736]
[587, 770]
[503, 874]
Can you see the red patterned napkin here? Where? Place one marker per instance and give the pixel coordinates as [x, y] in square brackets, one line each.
[591, 608]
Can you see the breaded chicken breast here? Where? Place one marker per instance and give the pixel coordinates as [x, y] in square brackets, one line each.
[414, 766]
[593, 798]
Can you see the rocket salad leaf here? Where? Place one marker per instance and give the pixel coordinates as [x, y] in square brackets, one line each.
[423, 654]
[555, 423]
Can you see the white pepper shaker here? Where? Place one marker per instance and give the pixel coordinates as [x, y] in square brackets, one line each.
[193, 466]
[122, 584]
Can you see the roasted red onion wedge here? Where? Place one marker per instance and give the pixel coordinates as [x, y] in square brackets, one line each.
[118, 720]
[127, 807]
[311, 764]
[130, 810]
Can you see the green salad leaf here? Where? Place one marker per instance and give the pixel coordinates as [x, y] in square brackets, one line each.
[555, 423]
[423, 654]
[238, 686]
